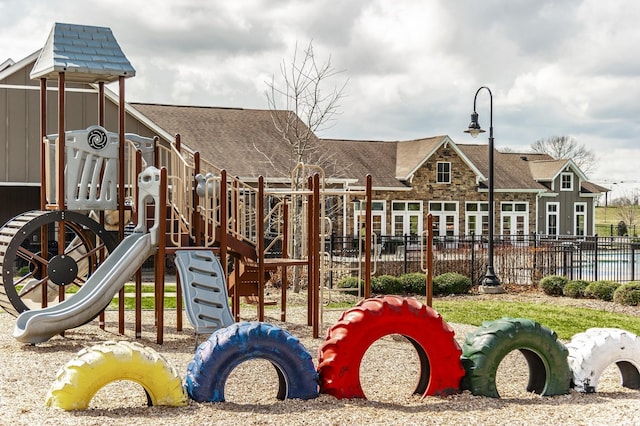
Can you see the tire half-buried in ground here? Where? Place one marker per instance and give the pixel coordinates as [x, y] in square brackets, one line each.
[228, 347]
[358, 328]
[546, 357]
[592, 351]
[94, 368]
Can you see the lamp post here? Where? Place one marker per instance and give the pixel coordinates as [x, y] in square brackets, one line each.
[490, 283]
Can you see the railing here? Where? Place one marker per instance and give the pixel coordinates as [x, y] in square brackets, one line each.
[179, 177]
[517, 260]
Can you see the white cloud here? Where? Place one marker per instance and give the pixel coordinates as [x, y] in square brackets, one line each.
[555, 68]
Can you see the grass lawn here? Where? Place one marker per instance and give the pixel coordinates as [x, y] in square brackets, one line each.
[564, 320]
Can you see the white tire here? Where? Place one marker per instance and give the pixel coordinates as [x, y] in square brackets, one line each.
[592, 351]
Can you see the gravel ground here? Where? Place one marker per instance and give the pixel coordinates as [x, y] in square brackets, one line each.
[388, 375]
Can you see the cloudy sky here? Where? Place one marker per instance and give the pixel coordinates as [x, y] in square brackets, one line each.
[554, 67]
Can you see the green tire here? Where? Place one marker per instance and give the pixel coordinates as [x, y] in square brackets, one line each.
[484, 350]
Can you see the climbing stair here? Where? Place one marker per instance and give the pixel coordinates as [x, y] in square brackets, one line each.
[248, 284]
[204, 290]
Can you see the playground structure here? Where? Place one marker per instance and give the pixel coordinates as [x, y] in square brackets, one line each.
[184, 205]
[62, 254]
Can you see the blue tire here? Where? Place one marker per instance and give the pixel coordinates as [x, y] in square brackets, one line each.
[229, 347]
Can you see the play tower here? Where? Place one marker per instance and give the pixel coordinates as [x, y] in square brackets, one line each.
[61, 260]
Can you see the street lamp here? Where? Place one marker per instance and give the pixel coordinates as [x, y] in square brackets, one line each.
[490, 282]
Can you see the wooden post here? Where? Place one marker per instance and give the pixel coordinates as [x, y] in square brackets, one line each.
[236, 269]
[44, 231]
[160, 256]
[310, 254]
[316, 254]
[121, 125]
[367, 240]
[429, 259]
[60, 151]
[43, 135]
[196, 219]
[223, 201]
[61, 166]
[260, 236]
[285, 254]
[138, 289]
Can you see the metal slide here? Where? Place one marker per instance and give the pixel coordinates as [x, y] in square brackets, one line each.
[40, 325]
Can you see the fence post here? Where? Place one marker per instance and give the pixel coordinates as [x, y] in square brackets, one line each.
[404, 254]
[633, 263]
[595, 260]
[473, 257]
[331, 242]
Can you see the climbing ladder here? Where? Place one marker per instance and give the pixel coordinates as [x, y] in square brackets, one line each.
[204, 290]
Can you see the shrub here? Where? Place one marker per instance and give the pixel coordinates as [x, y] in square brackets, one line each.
[387, 284]
[602, 290]
[553, 284]
[575, 288]
[451, 283]
[628, 294]
[351, 282]
[414, 283]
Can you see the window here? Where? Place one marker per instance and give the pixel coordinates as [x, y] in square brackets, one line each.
[406, 217]
[580, 218]
[443, 174]
[566, 181]
[477, 217]
[514, 222]
[445, 217]
[378, 217]
[553, 213]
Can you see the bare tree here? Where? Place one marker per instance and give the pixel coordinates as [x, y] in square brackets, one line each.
[303, 102]
[566, 147]
[627, 207]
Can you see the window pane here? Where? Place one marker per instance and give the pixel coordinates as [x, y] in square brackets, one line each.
[398, 225]
[507, 207]
[377, 205]
[472, 207]
[398, 206]
[413, 225]
[521, 207]
[450, 207]
[436, 207]
[415, 207]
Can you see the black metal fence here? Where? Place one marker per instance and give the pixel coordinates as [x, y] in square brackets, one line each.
[522, 259]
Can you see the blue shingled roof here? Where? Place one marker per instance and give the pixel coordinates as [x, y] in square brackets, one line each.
[85, 53]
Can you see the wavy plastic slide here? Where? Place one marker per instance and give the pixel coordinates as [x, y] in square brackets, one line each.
[40, 325]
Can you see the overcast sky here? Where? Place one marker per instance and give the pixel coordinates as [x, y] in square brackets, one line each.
[555, 67]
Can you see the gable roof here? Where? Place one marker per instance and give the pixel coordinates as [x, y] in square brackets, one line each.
[548, 170]
[511, 171]
[13, 67]
[355, 159]
[242, 141]
[85, 53]
[413, 154]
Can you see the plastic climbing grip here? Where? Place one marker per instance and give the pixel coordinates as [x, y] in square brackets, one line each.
[228, 347]
[593, 350]
[93, 368]
[358, 328]
[546, 357]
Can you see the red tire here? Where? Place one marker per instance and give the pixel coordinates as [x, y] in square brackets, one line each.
[358, 328]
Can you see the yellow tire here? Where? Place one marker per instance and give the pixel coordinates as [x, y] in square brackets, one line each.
[93, 368]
